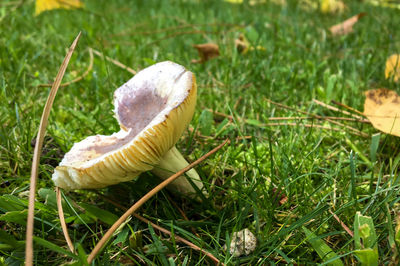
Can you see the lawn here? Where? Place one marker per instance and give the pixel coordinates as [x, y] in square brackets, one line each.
[296, 173]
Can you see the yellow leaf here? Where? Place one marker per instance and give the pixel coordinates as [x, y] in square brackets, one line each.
[382, 107]
[385, 3]
[346, 26]
[257, 2]
[206, 52]
[243, 45]
[43, 5]
[392, 68]
[234, 1]
[332, 6]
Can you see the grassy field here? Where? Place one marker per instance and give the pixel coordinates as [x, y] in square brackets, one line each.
[272, 179]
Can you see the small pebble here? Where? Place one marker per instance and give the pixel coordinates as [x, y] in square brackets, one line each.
[242, 243]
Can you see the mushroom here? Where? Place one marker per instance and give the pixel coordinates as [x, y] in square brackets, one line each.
[153, 109]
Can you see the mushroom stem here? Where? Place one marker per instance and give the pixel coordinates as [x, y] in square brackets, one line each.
[172, 162]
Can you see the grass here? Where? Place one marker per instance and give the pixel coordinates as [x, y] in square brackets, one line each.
[318, 172]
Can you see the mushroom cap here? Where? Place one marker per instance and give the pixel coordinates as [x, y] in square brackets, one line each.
[153, 109]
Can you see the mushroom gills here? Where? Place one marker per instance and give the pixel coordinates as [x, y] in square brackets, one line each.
[172, 162]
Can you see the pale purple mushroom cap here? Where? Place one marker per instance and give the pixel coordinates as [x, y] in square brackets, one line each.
[153, 109]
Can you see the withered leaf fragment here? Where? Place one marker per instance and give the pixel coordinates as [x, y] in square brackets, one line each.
[382, 108]
[346, 26]
[392, 68]
[206, 52]
[242, 44]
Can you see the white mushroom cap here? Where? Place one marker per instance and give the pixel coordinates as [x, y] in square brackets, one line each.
[153, 109]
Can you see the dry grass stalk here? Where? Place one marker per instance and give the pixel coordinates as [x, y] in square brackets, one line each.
[163, 230]
[90, 67]
[145, 198]
[330, 107]
[184, 25]
[115, 62]
[348, 107]
[37, 153]
[356, 131]
[327, 118]
[62, 220]
[175, 34]
[345, 227]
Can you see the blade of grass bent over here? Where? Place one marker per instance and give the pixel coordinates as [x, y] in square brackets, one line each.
[145, 198]
[37, 152]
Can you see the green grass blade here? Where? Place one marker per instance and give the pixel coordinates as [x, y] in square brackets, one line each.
[323, 250]
[365, 240]
[44, 243]
[103, 215]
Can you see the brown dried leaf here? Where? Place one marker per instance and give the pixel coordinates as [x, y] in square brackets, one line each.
[382, 107]
[206, 51]
[346, 26]
[392, 68]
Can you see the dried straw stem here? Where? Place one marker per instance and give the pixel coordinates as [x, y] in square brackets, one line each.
[356, 131]
[90, 67]
[359, 133]
[165, 231]
[115, 62]
[37, 153]
[62, 220]
[345, 227]
[145, 198]
[333, 108]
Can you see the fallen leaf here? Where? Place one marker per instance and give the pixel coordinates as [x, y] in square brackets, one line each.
[258, 2]
[332, 6]
[392, 68]
[43, 5]
[206, 51]
[234, 1]
[308, 5]
[382, 108]
[243, 45]
[346, 26]
[385, 3]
